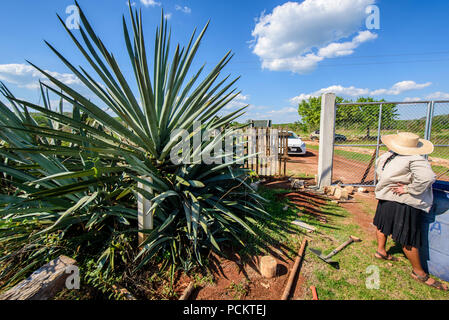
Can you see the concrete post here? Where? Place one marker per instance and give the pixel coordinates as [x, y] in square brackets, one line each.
[327, 135]
[144, 220]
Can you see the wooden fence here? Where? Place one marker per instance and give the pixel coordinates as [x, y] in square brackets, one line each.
[270, 147]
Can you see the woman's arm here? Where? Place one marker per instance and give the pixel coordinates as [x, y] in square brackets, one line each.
[422, 177]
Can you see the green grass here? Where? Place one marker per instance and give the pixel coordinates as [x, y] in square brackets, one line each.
[299, 175]
[350, 281]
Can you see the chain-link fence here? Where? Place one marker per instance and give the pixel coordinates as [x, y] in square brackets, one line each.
[359, 126]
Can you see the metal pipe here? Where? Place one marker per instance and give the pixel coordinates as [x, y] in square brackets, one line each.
[384, 102]
[292, 276]
[356, 145]
[428, 129]
[379, 128]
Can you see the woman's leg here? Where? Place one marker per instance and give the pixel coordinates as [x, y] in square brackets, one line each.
[412, 255]
[381, 242]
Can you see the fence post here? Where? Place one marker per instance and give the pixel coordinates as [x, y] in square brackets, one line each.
[144, 219]
[327, 134]
[379, 142]
[429, 118]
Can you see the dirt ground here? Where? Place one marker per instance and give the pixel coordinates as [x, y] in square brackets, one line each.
[345, 170]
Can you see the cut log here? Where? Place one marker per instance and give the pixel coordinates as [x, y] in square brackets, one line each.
[268, 267]
[44, 283]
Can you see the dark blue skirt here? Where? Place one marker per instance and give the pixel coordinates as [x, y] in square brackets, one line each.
[400, 221]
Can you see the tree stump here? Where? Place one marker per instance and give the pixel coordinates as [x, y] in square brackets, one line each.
[268, 267]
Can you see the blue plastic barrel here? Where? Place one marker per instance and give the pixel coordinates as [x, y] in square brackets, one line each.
[435, 234]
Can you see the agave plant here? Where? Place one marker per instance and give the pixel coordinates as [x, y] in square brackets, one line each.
[79, 176]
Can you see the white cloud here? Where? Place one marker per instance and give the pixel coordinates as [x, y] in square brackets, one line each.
[396, 89]
[133, 4]
[401, 87]
[297, 36]
[150, 3]
[438, 96]
[167, 16]
[184, 9]
[238, 102]
[26, 76]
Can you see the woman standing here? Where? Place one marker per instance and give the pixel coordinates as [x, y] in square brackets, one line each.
[405, 194]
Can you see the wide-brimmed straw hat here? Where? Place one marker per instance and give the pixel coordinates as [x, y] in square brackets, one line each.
[407, 144]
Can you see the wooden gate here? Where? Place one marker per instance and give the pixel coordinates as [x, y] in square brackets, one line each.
[270, 149]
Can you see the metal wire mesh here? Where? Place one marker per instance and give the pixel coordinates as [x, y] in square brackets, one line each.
[440, 137]
[359, 127]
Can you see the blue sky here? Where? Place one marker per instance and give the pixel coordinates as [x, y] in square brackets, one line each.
[284, 51]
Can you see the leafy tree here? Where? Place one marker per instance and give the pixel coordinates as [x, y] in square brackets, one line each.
[363, 116]
[367, 115]
[310, 112]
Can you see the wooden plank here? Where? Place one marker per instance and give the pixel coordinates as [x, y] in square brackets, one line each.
[285, 152]
[44, 283]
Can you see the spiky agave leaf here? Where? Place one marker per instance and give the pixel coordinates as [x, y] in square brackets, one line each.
[195, 206]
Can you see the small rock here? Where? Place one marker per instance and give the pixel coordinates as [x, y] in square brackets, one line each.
[265, 285]
[297, 184]
[341, 194]
[362, 190]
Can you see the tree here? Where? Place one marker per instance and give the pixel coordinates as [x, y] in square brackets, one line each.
[368, 114]
[310, 112]
[362, 116]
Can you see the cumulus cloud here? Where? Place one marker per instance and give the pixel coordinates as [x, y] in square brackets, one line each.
[25, 76]
[396, 89]
[238, 102]
[401, 87]
[150, 3]
[297, 36]
[184, 9]
[438, 96]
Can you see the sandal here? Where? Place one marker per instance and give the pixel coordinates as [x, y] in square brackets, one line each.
[437, 284]
[387, 257]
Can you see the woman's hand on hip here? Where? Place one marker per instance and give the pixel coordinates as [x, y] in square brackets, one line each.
[399, 189]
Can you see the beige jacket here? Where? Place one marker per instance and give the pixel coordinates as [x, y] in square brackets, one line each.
[413, 171]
